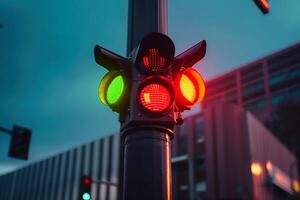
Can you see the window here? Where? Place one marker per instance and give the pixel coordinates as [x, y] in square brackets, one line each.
[277, 79]
[285, 59]
[211, 101]
[295, 92]
[231, 97]
[180, 180]
[251, 73]
[199, 129]
[253, 90]
[276, 99]
[220, 85]
[181, 141]
[284, 80]
[295, 72]
[256, 105]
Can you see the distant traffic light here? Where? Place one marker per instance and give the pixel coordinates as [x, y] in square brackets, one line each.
[85, 188]
[263, 5]
[20, 142]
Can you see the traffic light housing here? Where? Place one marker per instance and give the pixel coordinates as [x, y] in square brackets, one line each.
[113, 88]
[20, 142]
[263, 5]
[152, 85]
[85, 188]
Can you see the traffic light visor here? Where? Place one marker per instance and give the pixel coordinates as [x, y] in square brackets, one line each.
[190, 88]
[156, 95]
[111, 88]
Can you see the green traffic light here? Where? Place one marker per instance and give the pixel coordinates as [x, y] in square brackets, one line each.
[115, 89]
[86, 196]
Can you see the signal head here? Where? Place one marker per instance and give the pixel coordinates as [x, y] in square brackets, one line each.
[155, 53]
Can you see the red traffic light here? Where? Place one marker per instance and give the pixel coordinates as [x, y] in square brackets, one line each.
[153, 61]
[190, 88]
[156, 94]
[155, 53]
[87, 180]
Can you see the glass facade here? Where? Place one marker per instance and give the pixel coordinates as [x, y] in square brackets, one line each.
[253, 90]
[260, 85]
[57, 177]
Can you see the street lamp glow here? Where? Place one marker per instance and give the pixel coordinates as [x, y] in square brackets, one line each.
[256, 168]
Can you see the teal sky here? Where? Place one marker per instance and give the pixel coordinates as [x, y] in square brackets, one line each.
[49, 80]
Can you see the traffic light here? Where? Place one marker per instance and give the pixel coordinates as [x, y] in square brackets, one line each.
[152, 85]
[263, 5]
[20, 141]
[113, 88]
[85, 188]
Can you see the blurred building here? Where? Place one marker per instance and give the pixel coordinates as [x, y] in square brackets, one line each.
[213, 157]
[221, 153]
[260, 85]
[58, 177]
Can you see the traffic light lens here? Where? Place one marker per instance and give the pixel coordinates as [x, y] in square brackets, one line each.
[187, 88]
[86, 196]
[190, 88]
[155, 97]
[112, 88]
[153, 61]
[87, 181]
[115, 90]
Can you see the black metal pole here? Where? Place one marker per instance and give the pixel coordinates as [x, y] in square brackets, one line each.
[145, 161]
[147, 164]
[144, 17]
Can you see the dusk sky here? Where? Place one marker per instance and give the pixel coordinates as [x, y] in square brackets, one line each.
[49, 79]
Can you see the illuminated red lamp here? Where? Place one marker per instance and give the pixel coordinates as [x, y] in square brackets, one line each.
[263, 5]
[87, 180]
[190, 88]
[154, 62]
[156, 94]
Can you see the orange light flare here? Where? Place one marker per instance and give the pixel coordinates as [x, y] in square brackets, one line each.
[269, 166]
[265, 4]
[296, 186]
[256, 169]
